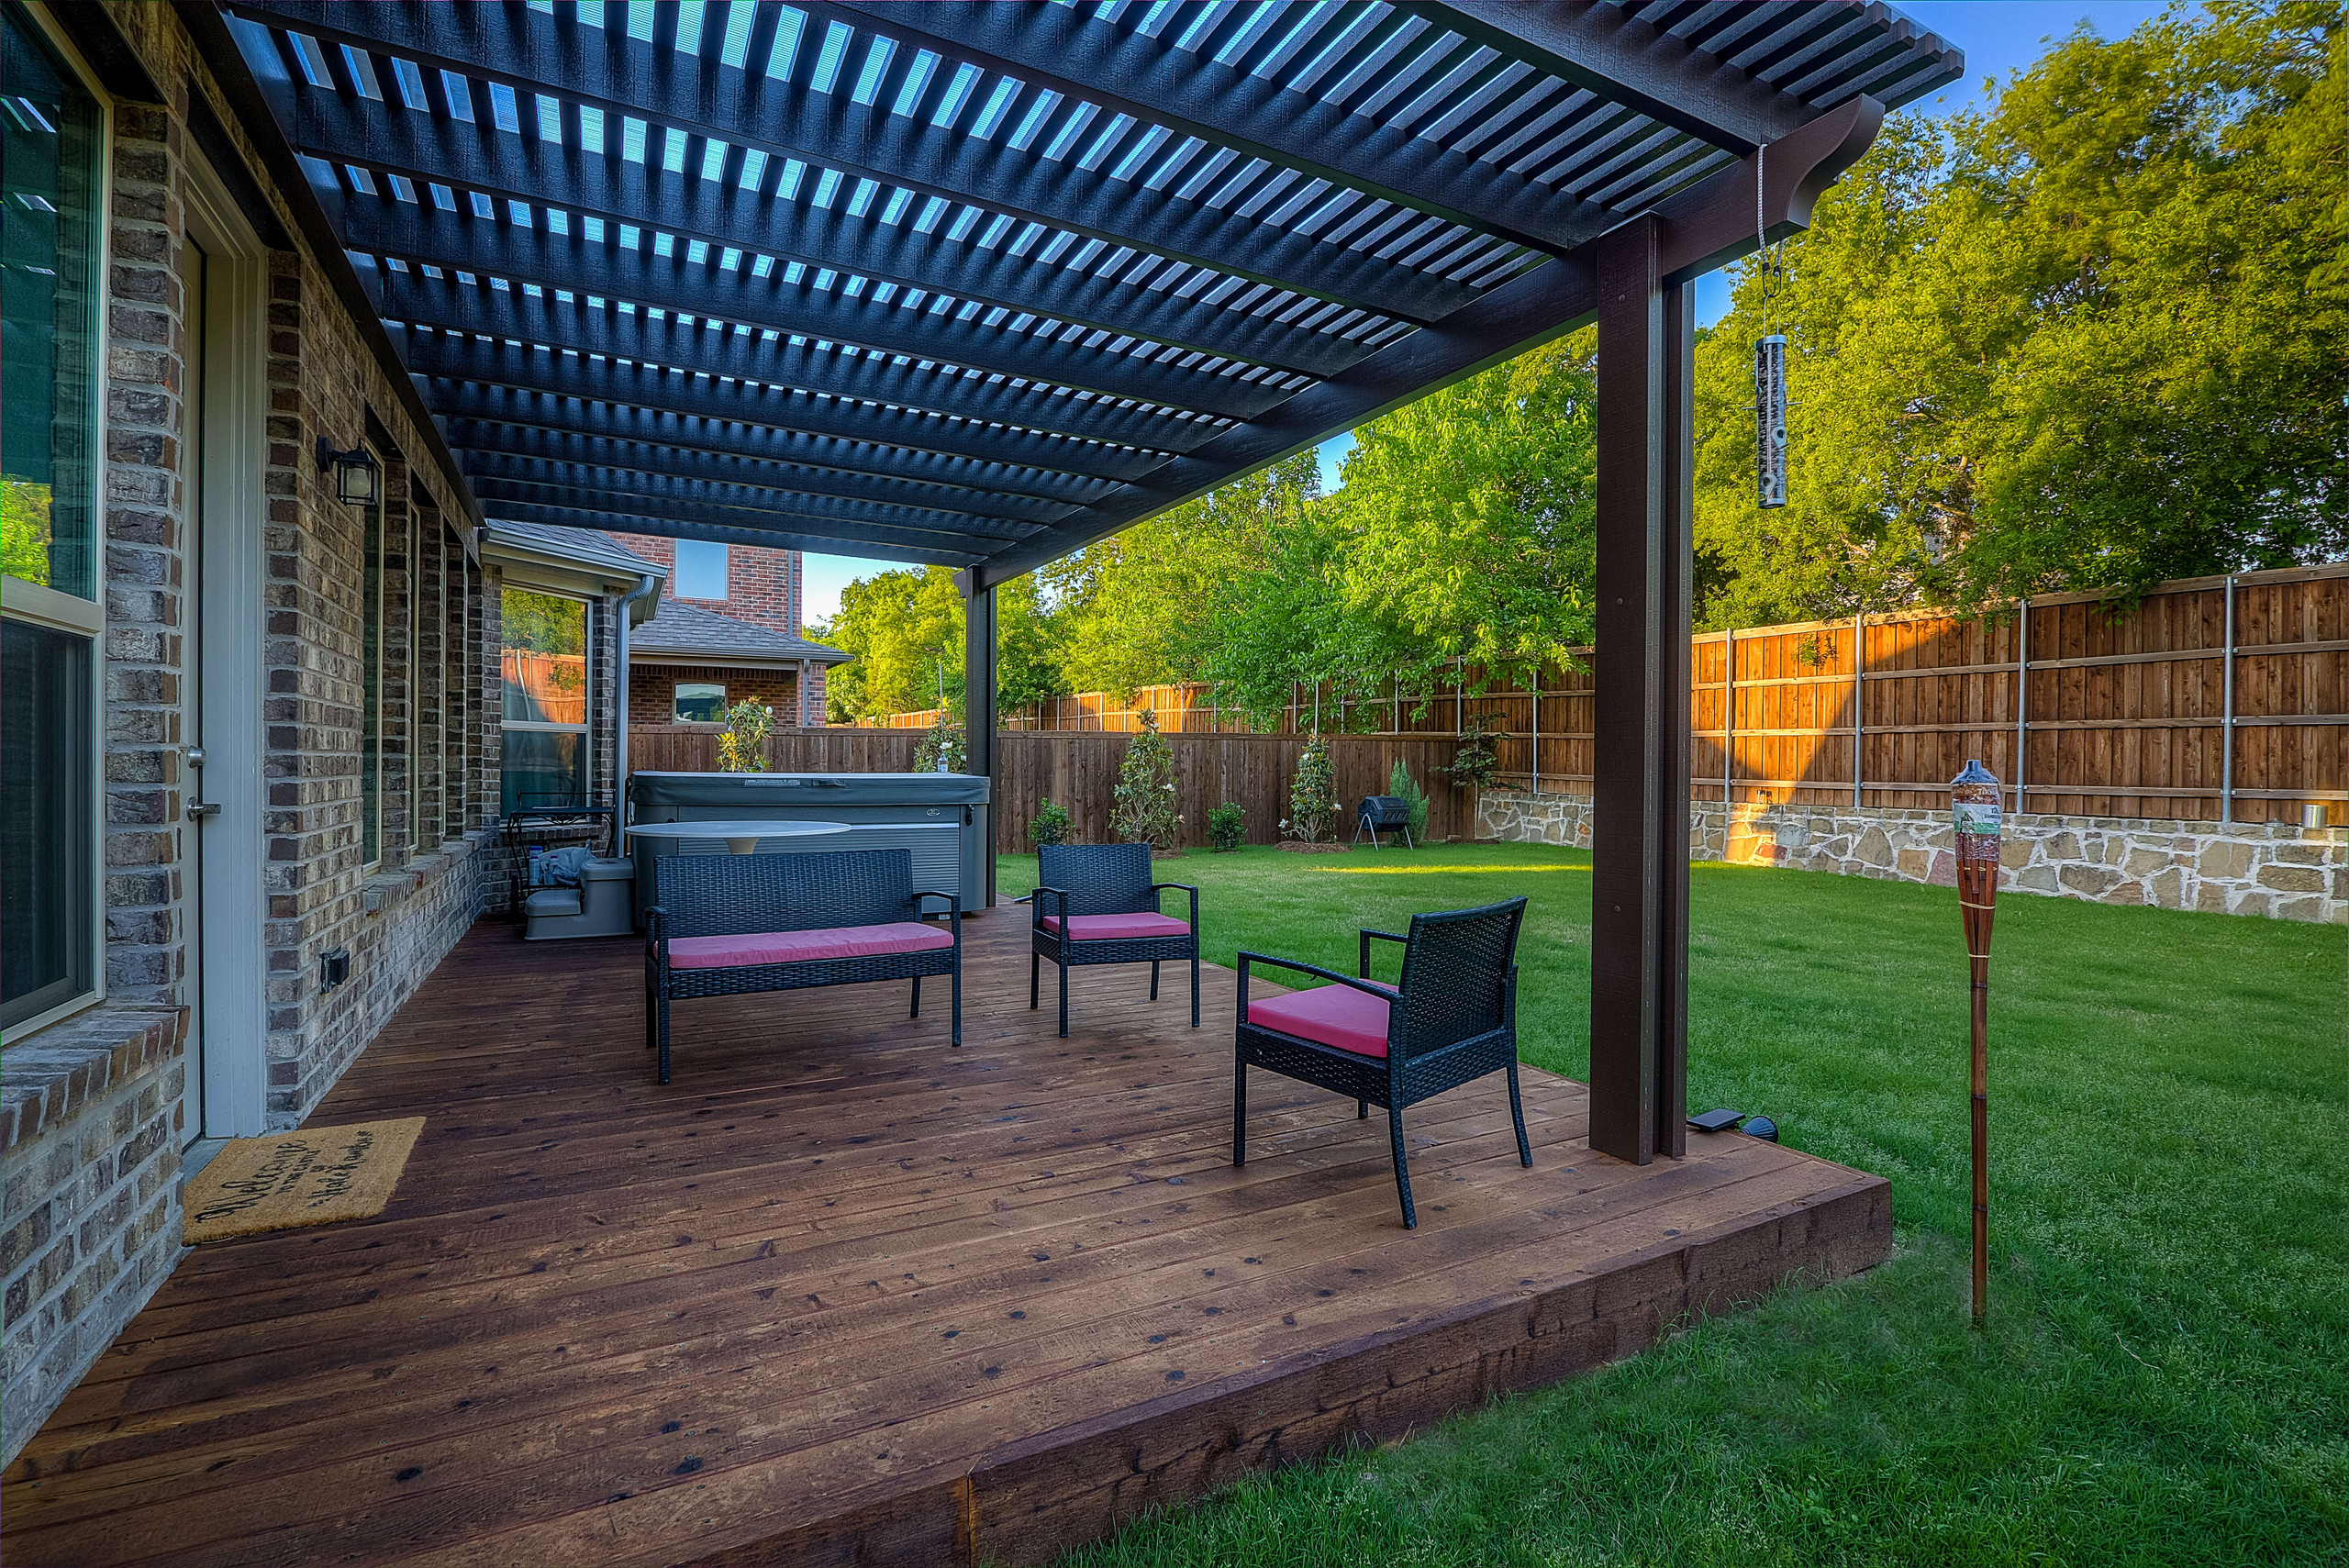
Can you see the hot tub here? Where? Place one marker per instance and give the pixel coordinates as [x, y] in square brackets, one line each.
[942, 818]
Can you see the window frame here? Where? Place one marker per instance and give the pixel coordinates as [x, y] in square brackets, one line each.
[52, 609]
[585, 730]
[677, 696]
[374, 528]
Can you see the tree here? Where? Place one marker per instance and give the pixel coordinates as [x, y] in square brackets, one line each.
[2089, 339]
[1142, 811]
[905, 629]
[1313, 793]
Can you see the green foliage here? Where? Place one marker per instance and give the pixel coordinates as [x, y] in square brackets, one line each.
[1228, 825]
[2092, 338]
[1050, 825]
[1142, 812]
[25, 531]
[741, 748]
[942, 750]
[2162, 1379]
[542, 623]
[904, 630]
[1476, 761]
[1313, 794]
[1401, 782]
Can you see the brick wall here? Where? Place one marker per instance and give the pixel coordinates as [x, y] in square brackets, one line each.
[651, 690]
[93, 1110]
[762, 586]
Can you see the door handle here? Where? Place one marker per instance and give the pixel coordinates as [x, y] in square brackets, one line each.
[197, 809]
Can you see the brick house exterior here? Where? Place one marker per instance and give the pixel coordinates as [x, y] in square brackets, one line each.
[319, 624]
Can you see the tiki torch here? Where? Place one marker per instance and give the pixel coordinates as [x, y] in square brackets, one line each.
[1973, 811]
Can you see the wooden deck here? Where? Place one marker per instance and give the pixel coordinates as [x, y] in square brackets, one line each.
[844, 1294]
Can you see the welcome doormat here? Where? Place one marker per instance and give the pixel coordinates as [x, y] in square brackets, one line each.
[313, 1175]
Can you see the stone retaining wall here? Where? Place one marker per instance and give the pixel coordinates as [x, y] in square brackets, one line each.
[2243, 867]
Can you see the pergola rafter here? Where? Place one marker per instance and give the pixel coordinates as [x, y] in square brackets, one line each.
[982, 284]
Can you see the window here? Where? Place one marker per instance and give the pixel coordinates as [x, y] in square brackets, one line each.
[701, 571]
[52, 139]
[371, 684]
[545, 652]
[701, 702]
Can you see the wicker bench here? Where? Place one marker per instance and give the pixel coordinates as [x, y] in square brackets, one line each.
[724, 925]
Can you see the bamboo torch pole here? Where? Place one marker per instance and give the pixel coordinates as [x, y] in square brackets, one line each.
[1973, 811]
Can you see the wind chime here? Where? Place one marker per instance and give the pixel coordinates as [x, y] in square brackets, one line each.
[1769, 366]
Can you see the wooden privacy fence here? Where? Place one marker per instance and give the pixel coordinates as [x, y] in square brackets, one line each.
[2221, 699]
[1080, 771]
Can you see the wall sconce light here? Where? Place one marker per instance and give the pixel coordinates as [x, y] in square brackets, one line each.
[358, 477]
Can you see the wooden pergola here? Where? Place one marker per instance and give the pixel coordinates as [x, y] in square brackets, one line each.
[981, 284]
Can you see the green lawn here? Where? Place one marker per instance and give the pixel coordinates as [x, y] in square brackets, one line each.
[2166, 1377]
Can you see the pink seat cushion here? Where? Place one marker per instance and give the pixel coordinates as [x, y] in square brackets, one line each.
[1332, 1015]
[1113, 927]
[797, 947]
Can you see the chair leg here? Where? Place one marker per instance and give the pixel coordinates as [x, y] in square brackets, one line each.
[664, 1030]
[1361, 1110]
[957, 1030]
[1195, 988]
[1517, 1115]
[1035, 965]
[1240, 1112]
[1153, 980]
[1064, 969]
[916, 1012]
[1402, 1171]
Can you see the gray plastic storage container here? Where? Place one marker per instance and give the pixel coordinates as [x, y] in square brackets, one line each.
[942, 817]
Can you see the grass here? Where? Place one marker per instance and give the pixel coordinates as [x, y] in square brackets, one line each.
[2166, 1375]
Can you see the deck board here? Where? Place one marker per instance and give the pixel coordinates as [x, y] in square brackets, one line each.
[841, 1293]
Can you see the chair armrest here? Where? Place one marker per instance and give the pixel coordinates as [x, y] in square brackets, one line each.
[1158, 887]
[1366, 988]
[1381, 936]
[1036, 906]
[953, 903]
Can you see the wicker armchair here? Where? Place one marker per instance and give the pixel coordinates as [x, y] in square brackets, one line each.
[1096, 903]
[1451, 1018]
[723, 925]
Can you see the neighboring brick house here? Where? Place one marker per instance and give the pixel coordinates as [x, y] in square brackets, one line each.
[184, 366]
[730, 629]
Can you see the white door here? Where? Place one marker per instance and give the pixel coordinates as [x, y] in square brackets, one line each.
[221, 783]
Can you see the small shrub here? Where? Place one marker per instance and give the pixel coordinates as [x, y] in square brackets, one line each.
[1815, 650]
[1050, 825]
[1143, 811]
[1400, 782]
[1313, 794]
[1473, 765]
[1227, 826]
[940, 750]
[743, 748]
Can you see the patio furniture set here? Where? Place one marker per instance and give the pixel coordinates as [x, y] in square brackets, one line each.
[728, 924]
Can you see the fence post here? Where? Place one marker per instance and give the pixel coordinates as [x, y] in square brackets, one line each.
[1459, 681]
[2022, 694]
[1537, 727]
[2227, 712]
[1729, 729]
[1859, 695]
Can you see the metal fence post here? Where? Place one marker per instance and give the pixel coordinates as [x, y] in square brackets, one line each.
[2022, 694]
[2227, 712]
[1728, 729]
[1859, 696]
[1537, 729]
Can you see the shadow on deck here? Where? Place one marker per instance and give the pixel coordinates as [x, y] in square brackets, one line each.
[844, 1294]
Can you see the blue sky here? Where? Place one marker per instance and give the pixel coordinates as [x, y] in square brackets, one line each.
[1999, 37]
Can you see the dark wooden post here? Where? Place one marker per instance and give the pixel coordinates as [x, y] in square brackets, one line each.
[1638, 980]
[978, 708]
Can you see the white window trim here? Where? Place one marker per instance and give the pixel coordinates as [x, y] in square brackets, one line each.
[39, 605]
[383, 524]
[586, 730]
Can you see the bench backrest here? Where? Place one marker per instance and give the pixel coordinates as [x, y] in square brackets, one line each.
[1101, 879]
[730, 896]
[1455, 977]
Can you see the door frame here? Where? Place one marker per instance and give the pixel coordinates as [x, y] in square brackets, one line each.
[226, 903]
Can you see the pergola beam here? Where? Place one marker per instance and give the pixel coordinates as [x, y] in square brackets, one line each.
[722, 213]
[678, 523]
[627, 76]
[418, 235]
[711, 346]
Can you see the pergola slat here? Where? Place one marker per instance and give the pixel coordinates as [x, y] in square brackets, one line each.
[627, 76]
[509, 168]
[681, 523]
[715, 349]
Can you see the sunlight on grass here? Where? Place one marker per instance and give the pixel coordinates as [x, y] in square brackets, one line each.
[2166, 1375]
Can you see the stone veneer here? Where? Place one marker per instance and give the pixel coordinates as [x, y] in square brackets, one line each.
[2242, 868]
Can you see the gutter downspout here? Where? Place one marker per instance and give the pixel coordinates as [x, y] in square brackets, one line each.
[644, 585]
